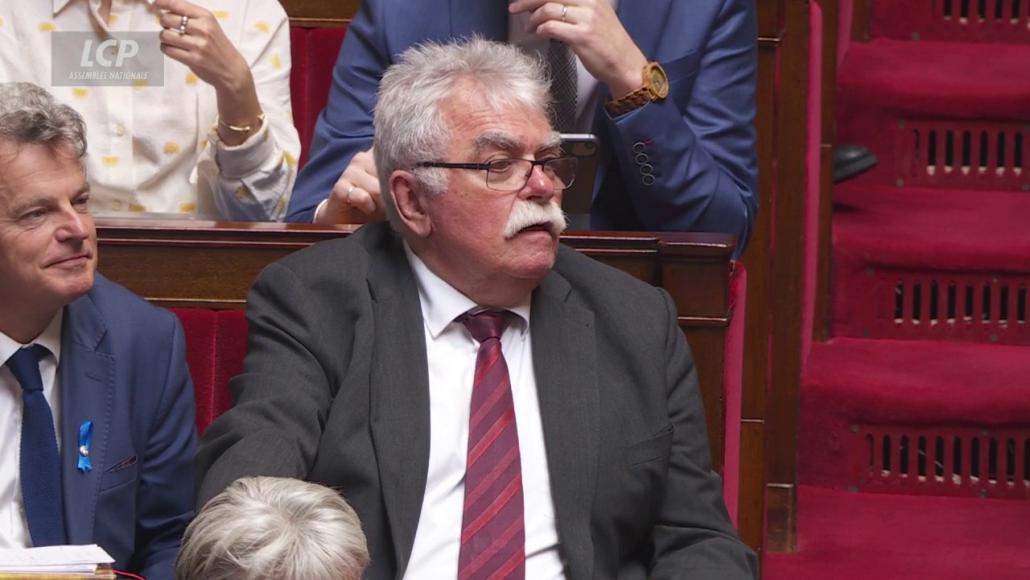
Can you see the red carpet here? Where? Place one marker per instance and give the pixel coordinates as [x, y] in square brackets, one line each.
[857, 536]
[889, 84]
[915, 384]
[940, 229]
[919, 408]
[920, 382]
[936, 79]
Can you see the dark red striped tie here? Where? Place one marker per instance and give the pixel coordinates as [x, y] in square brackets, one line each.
[493, 534]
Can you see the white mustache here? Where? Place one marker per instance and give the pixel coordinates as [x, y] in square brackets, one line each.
[526, 213]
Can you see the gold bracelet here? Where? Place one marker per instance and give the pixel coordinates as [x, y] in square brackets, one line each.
[242, 128]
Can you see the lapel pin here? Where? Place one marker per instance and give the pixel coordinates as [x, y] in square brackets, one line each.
[85, 441]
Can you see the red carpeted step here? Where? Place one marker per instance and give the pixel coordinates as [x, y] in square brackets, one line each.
[925, 391]
[893, 93]
[917, 383]
[931, 264]
[859, 397]
[997, 21]
[855, 536]
[933, 228]
[943, 79]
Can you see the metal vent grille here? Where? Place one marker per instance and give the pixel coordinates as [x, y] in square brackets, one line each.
[972, 20]
[947, 306]
[963, 155]
[941, 461]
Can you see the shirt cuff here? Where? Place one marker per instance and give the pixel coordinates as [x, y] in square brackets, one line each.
[247, 158]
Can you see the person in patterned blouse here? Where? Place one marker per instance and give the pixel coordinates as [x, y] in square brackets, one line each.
[206, 130]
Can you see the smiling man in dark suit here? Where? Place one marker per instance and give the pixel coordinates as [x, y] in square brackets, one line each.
[96, 406]
[493, 405]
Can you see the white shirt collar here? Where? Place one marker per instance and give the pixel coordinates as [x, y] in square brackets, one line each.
[49, 338]
[442, 303]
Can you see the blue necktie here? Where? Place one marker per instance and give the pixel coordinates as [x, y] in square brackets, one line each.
[40, 462]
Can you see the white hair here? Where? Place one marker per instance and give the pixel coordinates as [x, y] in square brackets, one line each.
[31, 116]
[271, 528]
[409, 127]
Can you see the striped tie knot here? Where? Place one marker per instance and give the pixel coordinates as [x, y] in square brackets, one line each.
[486, 324]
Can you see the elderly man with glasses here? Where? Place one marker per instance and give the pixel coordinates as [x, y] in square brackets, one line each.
[492, 404]
[666, 86]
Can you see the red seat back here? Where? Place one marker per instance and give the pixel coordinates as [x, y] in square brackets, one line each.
[216, 342]
[314, 52]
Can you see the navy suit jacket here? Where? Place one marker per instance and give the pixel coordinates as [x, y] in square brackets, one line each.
[699, 143]
[123, 367]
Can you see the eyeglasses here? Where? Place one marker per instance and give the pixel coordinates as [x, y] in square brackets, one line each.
[510, 174]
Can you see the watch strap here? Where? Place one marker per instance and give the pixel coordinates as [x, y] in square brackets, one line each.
[635, 99]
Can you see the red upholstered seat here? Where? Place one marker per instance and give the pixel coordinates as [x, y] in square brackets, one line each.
[216, 342]
[314, 52]
[299, 75]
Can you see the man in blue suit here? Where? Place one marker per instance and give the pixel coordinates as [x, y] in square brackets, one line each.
[684, 160]
[97, 430]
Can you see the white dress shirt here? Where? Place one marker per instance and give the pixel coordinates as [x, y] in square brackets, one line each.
[14, 528]
[588, 89]
[451, 352]
[155, 149]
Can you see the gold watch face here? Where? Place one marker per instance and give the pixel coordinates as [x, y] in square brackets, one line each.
[657, 82]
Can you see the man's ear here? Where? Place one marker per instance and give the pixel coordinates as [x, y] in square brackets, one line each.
[410, 203]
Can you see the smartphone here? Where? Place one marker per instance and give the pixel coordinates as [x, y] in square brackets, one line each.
[578, 197]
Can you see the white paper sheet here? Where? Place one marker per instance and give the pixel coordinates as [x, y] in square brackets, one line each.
[54, 559]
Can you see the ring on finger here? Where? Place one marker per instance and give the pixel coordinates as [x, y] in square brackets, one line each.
[564, 11]
[182, 24]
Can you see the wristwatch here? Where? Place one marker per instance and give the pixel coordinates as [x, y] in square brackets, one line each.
[655, 88]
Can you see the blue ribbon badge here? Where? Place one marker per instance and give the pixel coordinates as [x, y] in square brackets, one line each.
[85, 441]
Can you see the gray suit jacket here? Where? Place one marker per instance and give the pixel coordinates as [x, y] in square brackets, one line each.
[335, 390]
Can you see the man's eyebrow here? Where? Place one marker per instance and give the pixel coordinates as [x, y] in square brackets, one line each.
[22, 206]
[46, 200]
[505, 142]
[495, 140]
[553, 142]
